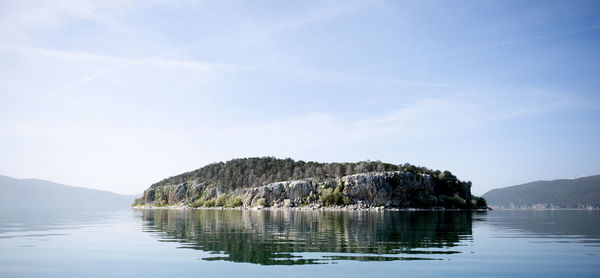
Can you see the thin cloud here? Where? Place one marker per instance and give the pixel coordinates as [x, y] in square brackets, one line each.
[315, 16]
[127, 63]
[63, 55]
[511, 42]
[347, 77]
[420, 120]
[276, 28]
[84, 57]
[19, 18]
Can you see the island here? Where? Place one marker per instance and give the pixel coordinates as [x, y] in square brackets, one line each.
[268, 182]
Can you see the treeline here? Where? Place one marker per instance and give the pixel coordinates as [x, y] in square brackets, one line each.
[448, 190]
[251, 172]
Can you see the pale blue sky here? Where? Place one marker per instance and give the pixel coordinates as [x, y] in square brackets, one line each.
[119, 95]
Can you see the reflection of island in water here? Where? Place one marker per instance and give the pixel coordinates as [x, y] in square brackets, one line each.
[285, 237]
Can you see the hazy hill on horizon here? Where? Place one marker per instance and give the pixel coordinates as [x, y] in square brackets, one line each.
[36, 193]
[581, 192]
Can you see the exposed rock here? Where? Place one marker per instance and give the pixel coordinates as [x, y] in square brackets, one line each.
[395, 189]
[368, 190]
[149, 195]
[287, 203]
[297, 190]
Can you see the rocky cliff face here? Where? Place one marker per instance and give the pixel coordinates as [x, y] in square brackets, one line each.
[374, 189]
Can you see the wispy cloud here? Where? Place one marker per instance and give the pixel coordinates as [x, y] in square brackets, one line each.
[493, 45]
[89, 12]
[420, 121]
[311, 17]
[116, 61]
[350, 77]
[109, 71]
[116, 64]
[60, 54]
[21, 18]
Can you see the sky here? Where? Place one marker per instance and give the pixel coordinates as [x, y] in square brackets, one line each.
[117, 95]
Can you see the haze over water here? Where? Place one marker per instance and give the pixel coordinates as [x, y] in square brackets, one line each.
[192, 243]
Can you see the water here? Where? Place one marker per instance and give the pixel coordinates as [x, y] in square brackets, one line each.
[215, 243]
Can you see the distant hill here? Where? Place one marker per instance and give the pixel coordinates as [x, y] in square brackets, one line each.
[34, 193]
[565, 193]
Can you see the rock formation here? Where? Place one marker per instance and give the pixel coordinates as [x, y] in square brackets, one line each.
[375, 189]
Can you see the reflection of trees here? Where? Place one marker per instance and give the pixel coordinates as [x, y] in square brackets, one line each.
[270, 237]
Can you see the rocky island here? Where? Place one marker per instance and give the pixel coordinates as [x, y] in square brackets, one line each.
[285, 183]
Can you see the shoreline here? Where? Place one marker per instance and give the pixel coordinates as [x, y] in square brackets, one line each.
[310, 208]
[307, 208]
[543, 209]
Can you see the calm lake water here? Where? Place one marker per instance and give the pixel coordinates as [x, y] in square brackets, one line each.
[233, 243]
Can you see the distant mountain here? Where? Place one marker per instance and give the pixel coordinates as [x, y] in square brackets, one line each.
[565, 193]
[34, 193]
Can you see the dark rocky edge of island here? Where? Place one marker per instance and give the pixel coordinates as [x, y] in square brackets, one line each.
[271, 183]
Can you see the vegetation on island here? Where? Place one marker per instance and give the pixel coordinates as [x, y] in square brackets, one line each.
[252, 172]
[244, 173]
[225, 200]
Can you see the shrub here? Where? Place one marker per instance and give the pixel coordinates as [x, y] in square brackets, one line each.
[433, 201]
[458, 201]
[452, 201]
[326, 196]
[138, 202]
[234, 201]
[338, 196]
[479, 202]
[198, 203]
[210, 203]
[335, 196]
[261, 202]
[222, 200]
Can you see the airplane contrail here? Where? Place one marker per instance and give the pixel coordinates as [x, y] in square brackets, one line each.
[108, 71]
[277, 28]
[513, 42]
